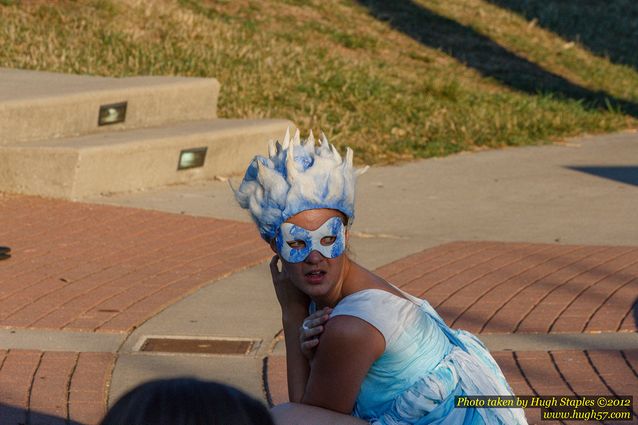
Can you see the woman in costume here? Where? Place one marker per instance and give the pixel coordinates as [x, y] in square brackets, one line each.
[384, 357]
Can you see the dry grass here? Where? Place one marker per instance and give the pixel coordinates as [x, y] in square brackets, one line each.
[368, 80]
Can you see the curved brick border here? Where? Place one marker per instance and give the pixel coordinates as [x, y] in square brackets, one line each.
[53, 388]
[86, 267]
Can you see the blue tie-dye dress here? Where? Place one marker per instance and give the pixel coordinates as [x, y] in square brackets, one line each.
[424, 366]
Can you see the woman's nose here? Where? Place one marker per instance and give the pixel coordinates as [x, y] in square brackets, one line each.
[314, 257]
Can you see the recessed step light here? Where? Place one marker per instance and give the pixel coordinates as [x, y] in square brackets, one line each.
[191, 158]
[113, 113]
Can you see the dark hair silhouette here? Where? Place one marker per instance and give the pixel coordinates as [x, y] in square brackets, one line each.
[186, 401]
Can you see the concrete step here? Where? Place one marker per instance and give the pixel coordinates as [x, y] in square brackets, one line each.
[38, 105]
[74, 168]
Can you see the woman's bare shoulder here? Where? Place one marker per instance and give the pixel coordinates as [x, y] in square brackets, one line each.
[347, 328]
[366, 279]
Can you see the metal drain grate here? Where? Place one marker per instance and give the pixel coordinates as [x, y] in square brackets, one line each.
[198, 346]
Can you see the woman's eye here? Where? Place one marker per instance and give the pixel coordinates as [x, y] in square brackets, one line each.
[328, 240]
[296, 244]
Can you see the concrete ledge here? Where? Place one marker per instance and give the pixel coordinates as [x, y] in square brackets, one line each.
[38, 105]
[105, 163]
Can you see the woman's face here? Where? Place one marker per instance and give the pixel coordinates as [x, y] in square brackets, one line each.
[316, 275]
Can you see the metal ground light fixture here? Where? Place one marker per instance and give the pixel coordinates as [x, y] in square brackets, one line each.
[112, 114]
[191, 158]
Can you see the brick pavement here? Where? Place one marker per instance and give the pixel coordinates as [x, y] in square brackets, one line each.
[100, 268]
[53, 388]
[579, 373]
[498, 287]
[96, 268]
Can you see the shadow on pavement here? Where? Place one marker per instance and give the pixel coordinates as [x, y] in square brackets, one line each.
[10, 415]
[594, 274]
[587, 23]
[484, 55]
[624, 174]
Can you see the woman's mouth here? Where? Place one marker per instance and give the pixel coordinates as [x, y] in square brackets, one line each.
[315, 276]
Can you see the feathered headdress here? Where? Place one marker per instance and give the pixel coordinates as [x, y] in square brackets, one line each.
[297, 176]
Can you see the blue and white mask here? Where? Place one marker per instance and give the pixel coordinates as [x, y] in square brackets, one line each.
[294, 243]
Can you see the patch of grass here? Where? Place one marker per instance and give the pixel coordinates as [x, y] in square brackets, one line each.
[609, 29]
[562, 57]
[353, 41]
[204, 9]
[333, 66]
[419, 57]
[298, 2]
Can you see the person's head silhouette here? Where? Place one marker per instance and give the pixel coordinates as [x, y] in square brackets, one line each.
[186, 401]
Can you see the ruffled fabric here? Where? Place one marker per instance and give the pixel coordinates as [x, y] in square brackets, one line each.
[431, 399]
[425, 366]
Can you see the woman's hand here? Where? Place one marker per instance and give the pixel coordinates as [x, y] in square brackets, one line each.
[310, 330]
[291, 299]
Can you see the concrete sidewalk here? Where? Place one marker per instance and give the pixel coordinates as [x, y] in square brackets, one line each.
[535, 248]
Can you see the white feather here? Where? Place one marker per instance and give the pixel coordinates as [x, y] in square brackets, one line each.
[272, 149]
[311, 138]
[290, 164]
[286, 144]
[360, 171]
[324, 140]
[336, 154]
[296, 139]
[349, 154]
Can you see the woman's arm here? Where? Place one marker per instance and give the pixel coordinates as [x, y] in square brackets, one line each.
[294, 308]
[349, 346]
[308, 338]
[297, 367]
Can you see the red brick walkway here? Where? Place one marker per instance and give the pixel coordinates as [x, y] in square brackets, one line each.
[498, 287]
[49, 388]
[108, 269]
[579, 373]
[96, 268]
[86, 267]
